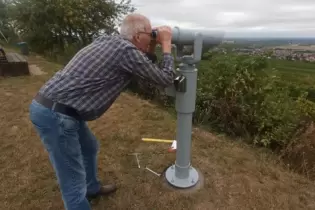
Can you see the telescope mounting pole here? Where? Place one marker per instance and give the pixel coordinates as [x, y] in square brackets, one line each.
[181, 174]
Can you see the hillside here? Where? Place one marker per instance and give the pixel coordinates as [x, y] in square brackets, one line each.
[296, 72]
[237, 176]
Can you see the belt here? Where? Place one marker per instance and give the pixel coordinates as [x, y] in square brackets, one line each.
[57, 107]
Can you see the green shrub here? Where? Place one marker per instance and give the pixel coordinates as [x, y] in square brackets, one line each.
[237, 96]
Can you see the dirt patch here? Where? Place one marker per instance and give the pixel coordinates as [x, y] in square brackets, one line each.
[35, 70]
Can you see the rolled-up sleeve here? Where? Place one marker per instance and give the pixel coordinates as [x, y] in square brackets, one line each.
[138, 64]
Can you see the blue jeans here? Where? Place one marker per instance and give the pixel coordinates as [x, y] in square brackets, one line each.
[72, 150]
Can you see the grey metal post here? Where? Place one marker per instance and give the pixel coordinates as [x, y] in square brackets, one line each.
[182, 174]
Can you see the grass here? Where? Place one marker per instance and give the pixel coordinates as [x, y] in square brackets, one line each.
[295, 72]
[237, 176]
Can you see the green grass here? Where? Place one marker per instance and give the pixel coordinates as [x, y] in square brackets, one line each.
[295, 72]
[297, 65]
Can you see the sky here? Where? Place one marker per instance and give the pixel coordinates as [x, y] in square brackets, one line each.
[237, 18]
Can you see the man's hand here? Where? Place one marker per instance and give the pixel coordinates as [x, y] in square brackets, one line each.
[165, 38]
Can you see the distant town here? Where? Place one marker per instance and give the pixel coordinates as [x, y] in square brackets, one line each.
[290, 51]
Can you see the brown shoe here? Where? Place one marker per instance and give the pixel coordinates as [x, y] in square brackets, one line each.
[104, 190]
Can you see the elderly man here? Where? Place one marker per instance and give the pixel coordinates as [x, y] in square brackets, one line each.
[82, 91]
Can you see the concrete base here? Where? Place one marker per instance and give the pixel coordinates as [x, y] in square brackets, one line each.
[193, 186]
[189, 182]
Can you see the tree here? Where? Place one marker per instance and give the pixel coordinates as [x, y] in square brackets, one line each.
[6, 23]
[55, 24]
[3, 19]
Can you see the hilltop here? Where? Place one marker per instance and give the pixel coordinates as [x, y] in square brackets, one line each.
[237, 176]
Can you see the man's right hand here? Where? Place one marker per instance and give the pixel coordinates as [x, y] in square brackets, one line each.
[165, 38]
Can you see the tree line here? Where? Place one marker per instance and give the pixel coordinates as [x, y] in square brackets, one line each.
[59, 27]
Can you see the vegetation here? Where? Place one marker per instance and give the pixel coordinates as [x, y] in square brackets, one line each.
[242, 96]
[5, 26]
[60, 28]
[295, 72]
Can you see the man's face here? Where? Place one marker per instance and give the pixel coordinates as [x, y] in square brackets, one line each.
[143, 38]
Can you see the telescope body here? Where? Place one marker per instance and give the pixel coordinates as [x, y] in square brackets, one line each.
[182, 36]
[182, 174]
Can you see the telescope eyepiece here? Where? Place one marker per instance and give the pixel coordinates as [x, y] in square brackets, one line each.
[154, 33]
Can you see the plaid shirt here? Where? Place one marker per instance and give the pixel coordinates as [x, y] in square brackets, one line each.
[98, 73]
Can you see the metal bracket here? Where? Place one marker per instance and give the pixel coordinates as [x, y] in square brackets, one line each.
[178, 51]
[180, 83]
[197, 51]
[198, 47]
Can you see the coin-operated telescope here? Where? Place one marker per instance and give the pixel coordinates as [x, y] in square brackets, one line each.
[181, 174]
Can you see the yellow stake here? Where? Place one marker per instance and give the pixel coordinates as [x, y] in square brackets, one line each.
[157, 140]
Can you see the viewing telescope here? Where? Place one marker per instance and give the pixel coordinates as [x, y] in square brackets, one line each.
[181, 36]
[182, 174]
[200, 39]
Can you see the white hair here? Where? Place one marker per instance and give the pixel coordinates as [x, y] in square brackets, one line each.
[132, 24]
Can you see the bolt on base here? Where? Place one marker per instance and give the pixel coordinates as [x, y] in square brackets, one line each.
[188, 182]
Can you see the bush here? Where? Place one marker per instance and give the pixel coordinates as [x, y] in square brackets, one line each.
[237, 96]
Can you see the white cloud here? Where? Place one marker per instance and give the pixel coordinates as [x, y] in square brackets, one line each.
[243, 17]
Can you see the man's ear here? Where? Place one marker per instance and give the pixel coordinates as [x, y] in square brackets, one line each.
[137, 37]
